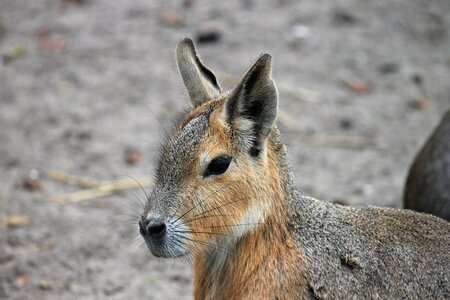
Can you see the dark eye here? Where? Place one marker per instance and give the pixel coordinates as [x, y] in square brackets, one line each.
[218, 165]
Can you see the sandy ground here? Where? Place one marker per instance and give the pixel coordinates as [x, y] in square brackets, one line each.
[81, 83]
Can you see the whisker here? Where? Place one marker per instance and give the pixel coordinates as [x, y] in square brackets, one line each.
[218, 207]
[179, 244]
[171, 254]
[130, 214]
[178, 207]
[198, 203]
[141, 204]
[209, 216]
[206, 243]
[212, 209]
[139, 248]
[136, 202]
[186, 251]
[139, 184]
[188, 209]
[235, 225]
[202, 232]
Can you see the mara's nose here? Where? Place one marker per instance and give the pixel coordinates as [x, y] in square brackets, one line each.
[154, 227]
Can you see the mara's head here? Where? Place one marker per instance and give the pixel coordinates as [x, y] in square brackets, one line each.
[218, 176]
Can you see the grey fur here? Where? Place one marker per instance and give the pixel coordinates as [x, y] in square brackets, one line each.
[177, 158]
[349, 253]
[255, 98]
[427, 188]
[393, 254]
[368, 253]
[200, 82]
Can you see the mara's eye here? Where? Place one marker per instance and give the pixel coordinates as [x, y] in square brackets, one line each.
[218, 165]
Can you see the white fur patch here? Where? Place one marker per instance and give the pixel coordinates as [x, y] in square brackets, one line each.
[245, 128]
[203, 158]
[177, 235]
[253, 216]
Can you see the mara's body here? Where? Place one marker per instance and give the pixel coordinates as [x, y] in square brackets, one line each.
[361, 260]
[224, 196]
[427, 188]
[373, 253]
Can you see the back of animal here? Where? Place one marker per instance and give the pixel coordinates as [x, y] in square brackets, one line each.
[428, 185]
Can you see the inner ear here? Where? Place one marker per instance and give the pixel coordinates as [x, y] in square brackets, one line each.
[253, 104]
[200, 82]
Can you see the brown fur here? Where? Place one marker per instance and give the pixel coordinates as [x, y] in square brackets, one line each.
[264, 264]
[251, 234]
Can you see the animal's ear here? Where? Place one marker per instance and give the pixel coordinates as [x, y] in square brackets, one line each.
[200, 82]
[252, 106]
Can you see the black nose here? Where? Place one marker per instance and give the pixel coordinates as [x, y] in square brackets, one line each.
[156, 229]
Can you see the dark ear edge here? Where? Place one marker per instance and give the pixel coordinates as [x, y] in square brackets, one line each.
[253, 104]
[200, 82]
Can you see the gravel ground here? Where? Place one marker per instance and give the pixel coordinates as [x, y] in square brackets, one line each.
[83, 82]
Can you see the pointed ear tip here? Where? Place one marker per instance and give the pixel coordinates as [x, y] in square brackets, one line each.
[186, 40]
[185, 43]
[265, 60]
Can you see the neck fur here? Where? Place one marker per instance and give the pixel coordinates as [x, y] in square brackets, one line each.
[258, 259]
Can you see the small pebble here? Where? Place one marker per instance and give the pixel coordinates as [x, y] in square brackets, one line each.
[45, 285]
[172, 18]
[21, 280]
[417, 79]
[209, 32]
[33, 174]
[388, 68]
[84, 135]
[341, 17]
[133, 157]
[13, 162]
[356, 86]
[187, 3]
[346, 123]
[32, 185]
[301, 32]
[419, 103]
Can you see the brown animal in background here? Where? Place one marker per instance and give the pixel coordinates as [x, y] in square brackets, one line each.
[225, 197]
[428, 185]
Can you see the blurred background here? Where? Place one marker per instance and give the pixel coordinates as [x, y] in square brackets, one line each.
[87, 88]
